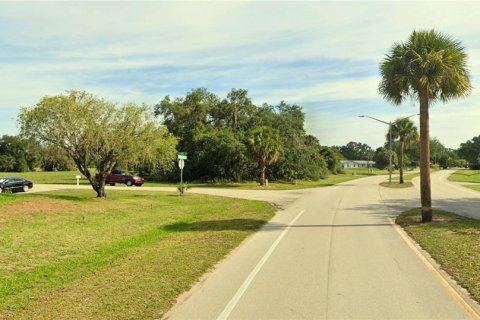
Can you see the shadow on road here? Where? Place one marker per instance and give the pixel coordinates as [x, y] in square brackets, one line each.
[469, 207]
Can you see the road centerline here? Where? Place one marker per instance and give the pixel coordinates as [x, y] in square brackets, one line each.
[243, 288]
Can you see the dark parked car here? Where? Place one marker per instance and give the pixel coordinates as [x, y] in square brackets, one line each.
[119, 176]
[15, 184]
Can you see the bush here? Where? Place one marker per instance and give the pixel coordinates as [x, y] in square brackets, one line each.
[182, 188]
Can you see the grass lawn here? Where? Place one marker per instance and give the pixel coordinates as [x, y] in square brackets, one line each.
[465, 176]
[67, 255]
[350, 174]
[476, 188]
[396, 184]
[407, 181]
[68, 177]
[364, 171]
[452, 240]
[53, 177]
[282, 185]
[64, 177]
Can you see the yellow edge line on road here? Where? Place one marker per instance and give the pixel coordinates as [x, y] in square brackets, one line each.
[434, 270]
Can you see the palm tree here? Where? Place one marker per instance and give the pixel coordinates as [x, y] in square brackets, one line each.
[405, 131]
[264, 146]
[429, 67]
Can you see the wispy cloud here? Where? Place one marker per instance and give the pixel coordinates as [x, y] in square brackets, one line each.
[321, 55]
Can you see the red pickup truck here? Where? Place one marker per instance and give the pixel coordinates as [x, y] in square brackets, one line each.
[119, 176]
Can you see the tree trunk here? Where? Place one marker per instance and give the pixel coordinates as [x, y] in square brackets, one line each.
[262, 172]
[402, 146]
[425, 185]
[100, 188]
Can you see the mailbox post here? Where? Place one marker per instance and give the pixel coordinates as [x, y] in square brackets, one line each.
[78, 181]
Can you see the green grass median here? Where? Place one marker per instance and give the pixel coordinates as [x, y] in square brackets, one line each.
[472, 176]
[452, 240]
[68, 255]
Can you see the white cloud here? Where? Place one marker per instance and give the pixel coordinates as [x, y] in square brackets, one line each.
[46, 48]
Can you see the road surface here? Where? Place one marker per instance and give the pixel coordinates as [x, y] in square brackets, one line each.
[332, 254]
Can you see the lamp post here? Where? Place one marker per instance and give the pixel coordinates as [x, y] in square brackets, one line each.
[390, 141]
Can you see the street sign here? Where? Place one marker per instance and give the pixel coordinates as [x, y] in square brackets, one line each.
[181, 163]
[182, 155]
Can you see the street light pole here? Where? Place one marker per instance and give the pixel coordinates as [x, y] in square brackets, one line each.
[390, 141]
[390, 145]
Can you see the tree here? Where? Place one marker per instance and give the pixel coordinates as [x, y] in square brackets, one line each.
[95, 132]
[234, 111]
[221, 155]
[201, 119]
[15, 154]
[332, 158]
[53, 158]
[470, 150]
[405, 131]
[382, 157]
[355, 151]
[184, 115]
[428, 67]
[264, 146]
[437, 150]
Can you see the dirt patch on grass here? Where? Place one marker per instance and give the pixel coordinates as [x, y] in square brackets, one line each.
[397, 185]
[38, 206]
[52, 206]
[414, 217]
[435, 220]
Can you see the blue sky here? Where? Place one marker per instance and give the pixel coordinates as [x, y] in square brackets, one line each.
[323, 56]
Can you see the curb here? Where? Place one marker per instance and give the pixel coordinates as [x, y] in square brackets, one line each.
[461, 295]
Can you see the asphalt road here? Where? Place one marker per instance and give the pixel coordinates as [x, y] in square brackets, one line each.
[332, 254]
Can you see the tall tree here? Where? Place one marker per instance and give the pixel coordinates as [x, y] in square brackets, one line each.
[264, 146]
[16, 154]
[95, 132]
[234, 111]
[406, 133]
[470, 150]
[184, 115]
[382, 157]
[355, 151]
[429, 67]
[437, 150]
[221, 155]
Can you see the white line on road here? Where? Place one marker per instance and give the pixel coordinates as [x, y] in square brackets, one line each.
[238, 295]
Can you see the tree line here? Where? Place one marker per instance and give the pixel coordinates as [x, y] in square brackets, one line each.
[226, 139]
[467, 155]
[232, 139]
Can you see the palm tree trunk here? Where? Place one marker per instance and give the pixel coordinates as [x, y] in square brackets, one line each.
[425, 185]
[402, 146]
[262, 172]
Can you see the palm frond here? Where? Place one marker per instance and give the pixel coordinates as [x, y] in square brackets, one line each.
[429, 62]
